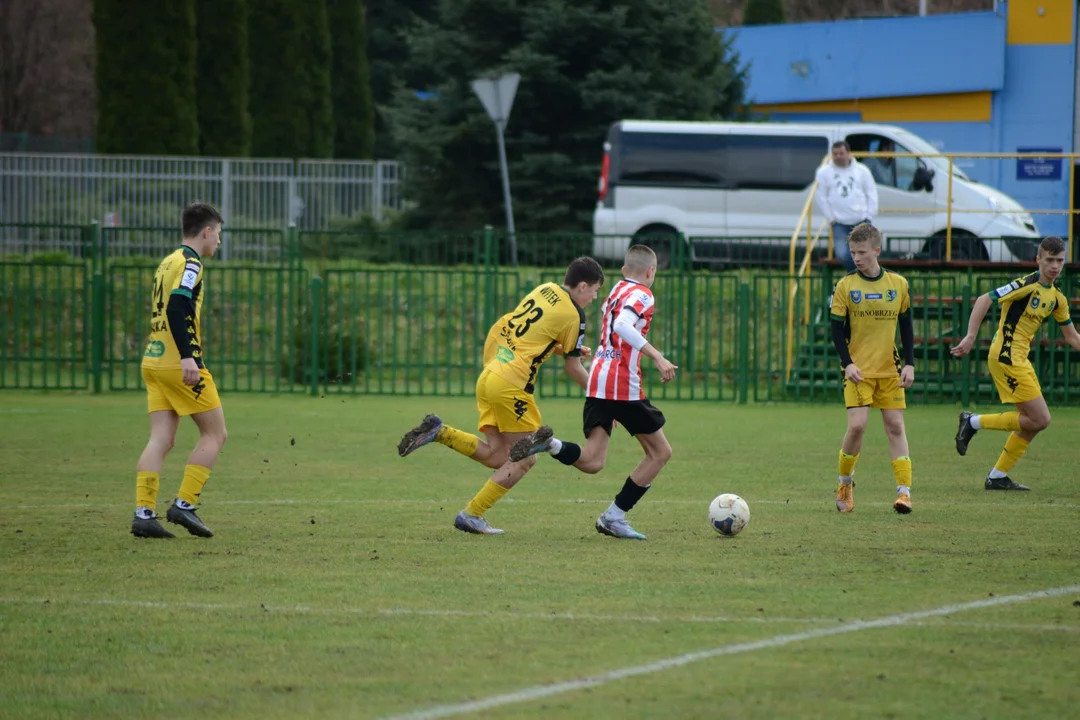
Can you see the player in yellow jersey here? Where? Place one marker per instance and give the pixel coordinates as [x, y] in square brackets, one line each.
[177, 382]
[1025, 303]
[549, 318]
[867, 306]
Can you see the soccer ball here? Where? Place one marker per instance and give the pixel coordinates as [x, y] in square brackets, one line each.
[729, 514]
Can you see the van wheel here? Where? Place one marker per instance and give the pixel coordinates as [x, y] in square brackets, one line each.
[661, 239]
[965, 246]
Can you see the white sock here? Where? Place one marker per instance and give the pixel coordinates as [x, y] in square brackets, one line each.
[903, 490]
[144, 512]
[844, 479]
[995, 474]
[614, 512]
[555, 447]
[974, 421]
[184, 505]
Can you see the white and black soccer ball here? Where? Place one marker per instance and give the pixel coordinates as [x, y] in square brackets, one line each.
[729, 514]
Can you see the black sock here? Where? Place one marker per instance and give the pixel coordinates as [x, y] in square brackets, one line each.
[569, 454]
[629, 495]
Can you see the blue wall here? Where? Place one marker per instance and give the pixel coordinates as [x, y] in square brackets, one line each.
[874, 58]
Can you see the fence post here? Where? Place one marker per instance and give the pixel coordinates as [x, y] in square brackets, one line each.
[316, 305]
[744, 341]
[491, 261]
[97, 305]
[965, 312]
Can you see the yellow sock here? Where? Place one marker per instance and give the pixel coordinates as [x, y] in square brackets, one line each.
[846, 466]
[1015, 447]
[458, 440]
[146, 489]
[195, 476]
[488, 496]
[1001, 421]
[901, 470]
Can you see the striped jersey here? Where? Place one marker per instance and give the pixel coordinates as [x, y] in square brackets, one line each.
[615, 373]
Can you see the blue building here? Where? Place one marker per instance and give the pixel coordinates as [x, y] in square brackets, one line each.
[1001, 81]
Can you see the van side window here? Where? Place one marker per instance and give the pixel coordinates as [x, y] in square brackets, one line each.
[888, 172]
[774, 162]
[679, 159]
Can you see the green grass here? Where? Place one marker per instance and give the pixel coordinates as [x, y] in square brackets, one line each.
[336, 586]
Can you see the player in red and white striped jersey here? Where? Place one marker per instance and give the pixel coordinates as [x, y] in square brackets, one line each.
[614, 393]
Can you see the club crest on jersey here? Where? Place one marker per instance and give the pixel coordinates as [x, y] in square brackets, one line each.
[890, 295]
[856, 296]
[1051, 306]
[1035, 302]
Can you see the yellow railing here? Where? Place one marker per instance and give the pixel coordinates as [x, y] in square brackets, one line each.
[803, 271]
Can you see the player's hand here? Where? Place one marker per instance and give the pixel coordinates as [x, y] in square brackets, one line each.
[190, 370]
[963, 347]
[667, 369]
[586, 351]
[907, 376]
[852, 373]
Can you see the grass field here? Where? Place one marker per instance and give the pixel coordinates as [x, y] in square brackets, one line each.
[337, 588]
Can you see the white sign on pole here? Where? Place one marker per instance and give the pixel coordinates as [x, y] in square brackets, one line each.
[497, 96]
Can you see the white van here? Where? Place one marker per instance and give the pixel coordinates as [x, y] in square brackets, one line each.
[735, 185]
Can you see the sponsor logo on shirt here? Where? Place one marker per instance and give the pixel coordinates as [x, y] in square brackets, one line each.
[873, 296]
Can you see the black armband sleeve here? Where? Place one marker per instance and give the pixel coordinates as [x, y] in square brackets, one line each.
[907, 337]
[179, 309]
[839, 341]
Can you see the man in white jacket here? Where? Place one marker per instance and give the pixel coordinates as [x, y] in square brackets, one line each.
[846, 195]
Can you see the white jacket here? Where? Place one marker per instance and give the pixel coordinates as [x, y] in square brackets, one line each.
[846, 195]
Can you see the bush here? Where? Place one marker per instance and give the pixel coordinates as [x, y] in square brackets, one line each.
[339, 352]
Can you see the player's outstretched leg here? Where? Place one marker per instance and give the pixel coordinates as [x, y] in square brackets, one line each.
[149, 527]
[532, 444]
[965, 432]
[421, 435]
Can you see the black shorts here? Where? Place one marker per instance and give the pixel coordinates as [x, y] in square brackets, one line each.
[639, 417]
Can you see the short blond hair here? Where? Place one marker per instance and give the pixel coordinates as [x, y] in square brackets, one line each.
[865, 232]
[639, 258]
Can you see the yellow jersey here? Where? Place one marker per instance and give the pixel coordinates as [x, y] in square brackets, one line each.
[522, 339]
[870, 309]
[1025, 304]
[180, 273]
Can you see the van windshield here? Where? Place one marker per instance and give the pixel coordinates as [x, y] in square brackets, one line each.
[916, 144]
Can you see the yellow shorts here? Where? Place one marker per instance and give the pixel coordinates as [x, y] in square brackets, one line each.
[165, 390]
[878, 393]
[503, 406]
[1014, 384]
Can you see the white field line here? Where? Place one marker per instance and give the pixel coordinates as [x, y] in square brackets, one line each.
[542, 691]
[533, 501]
[506, 614]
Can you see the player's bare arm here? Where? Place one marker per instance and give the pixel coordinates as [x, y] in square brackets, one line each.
[577, 371]
[978, 313]
[1071, 336]
[666, 367]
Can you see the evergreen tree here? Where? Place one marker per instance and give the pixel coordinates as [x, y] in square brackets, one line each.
[583, 67]
[387, 51]
[146, 77]
[223, 77]
[289, 48]
[764, 12]
[354, 116]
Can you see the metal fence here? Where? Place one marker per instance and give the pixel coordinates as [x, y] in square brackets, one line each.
[59, 189]
[297, 322]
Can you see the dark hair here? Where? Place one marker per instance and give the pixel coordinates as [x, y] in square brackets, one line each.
[1052, 245]
[841, 143]
[196, 216]
[865, 232]
[583, 270]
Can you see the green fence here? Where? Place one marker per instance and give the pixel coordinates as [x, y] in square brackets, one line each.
[284, 314]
